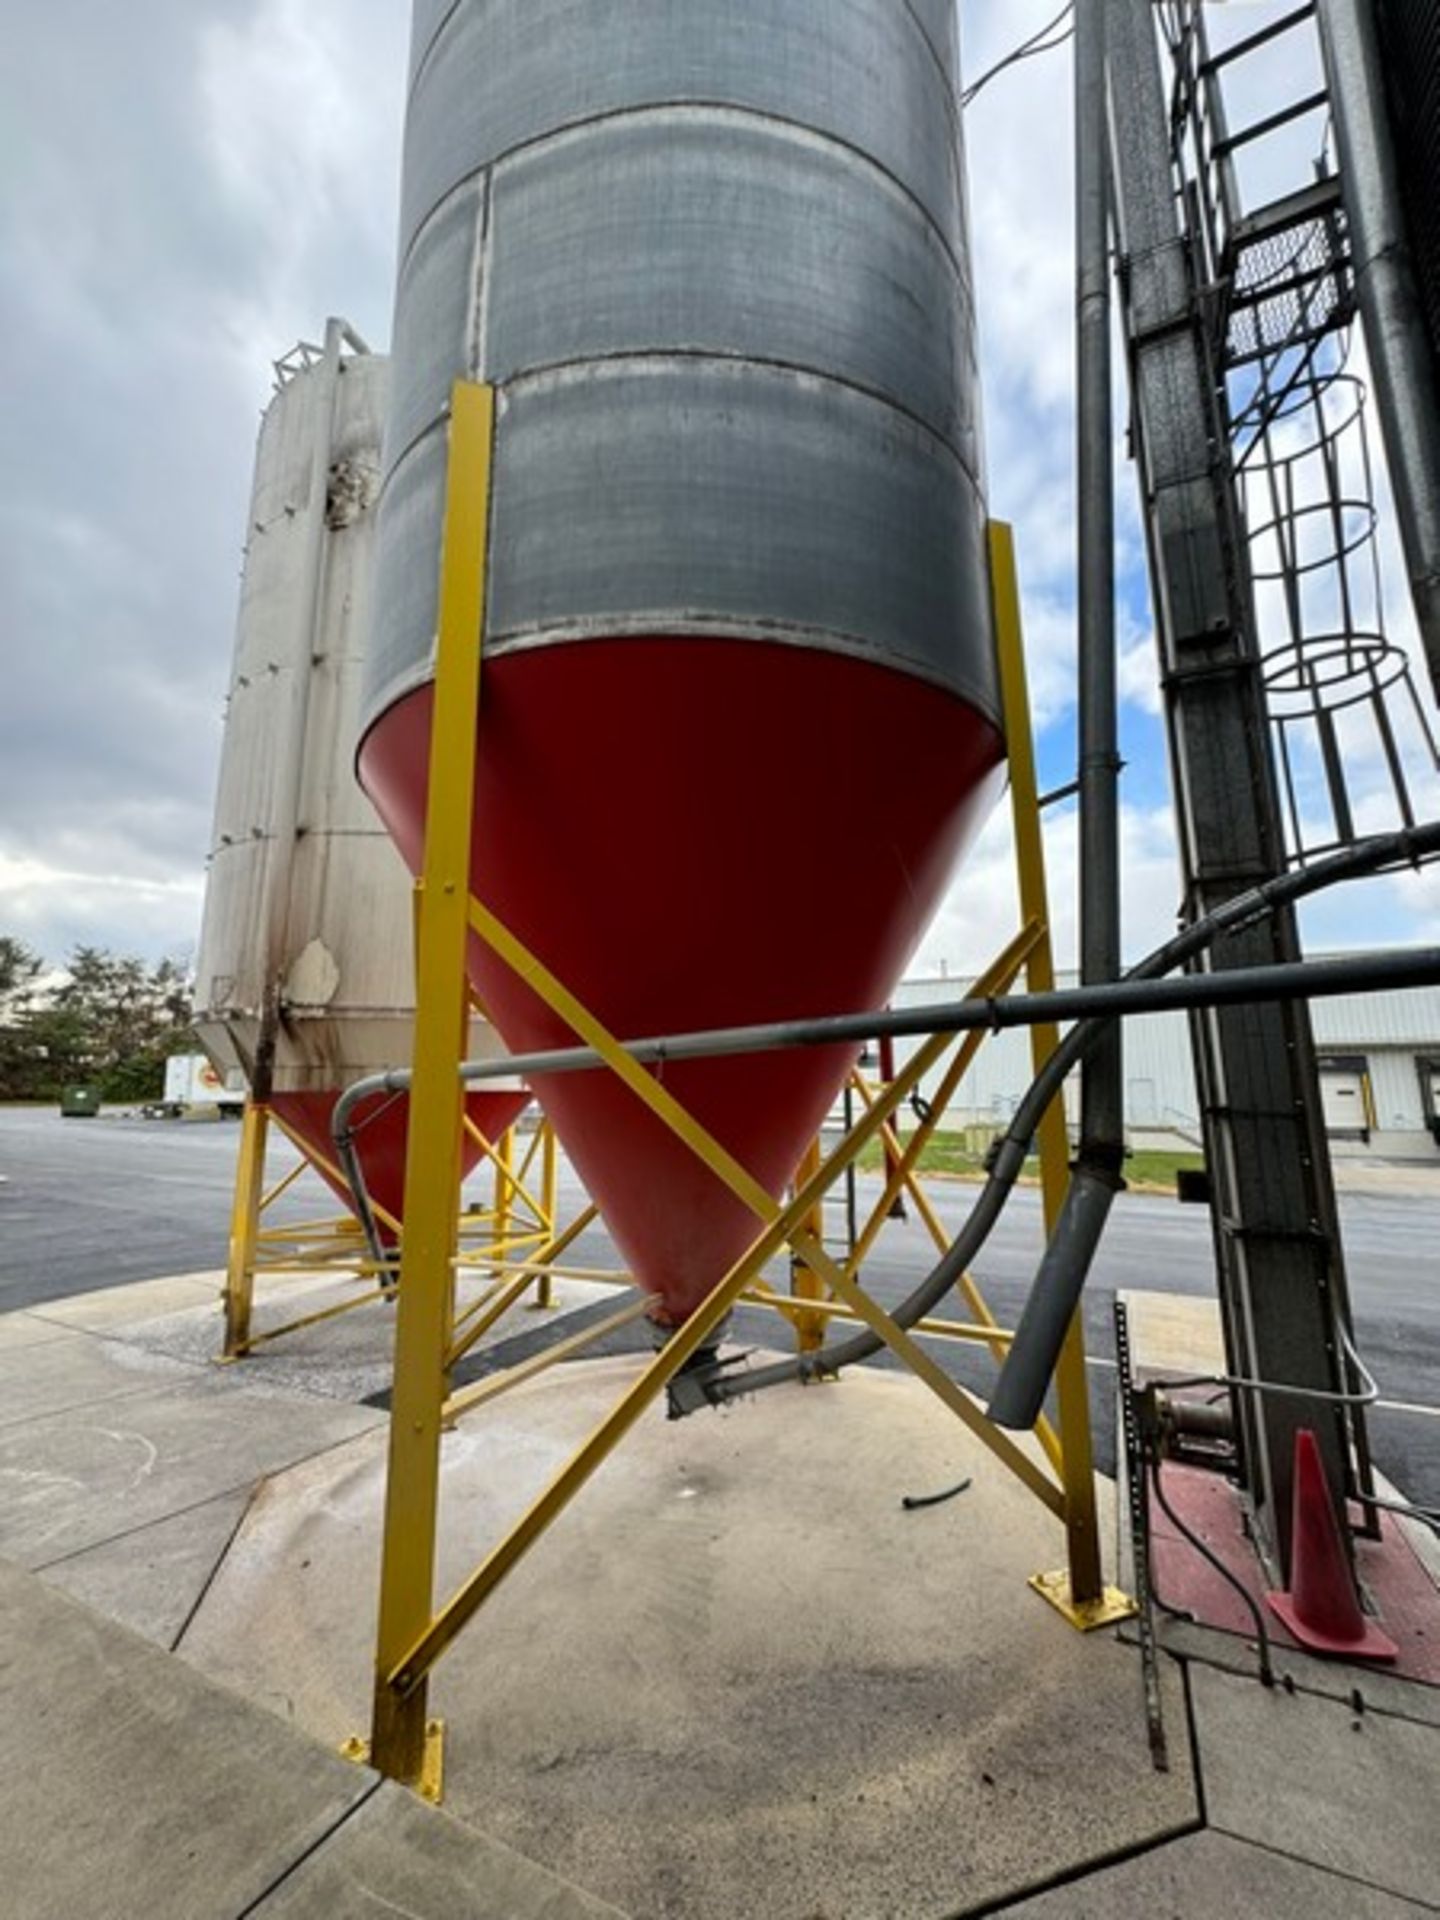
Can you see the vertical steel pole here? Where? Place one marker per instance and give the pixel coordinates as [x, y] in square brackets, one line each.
[887, 1074]
[1402, 362]
[503, 1220]
[805, 1283]
[1085, 1586]
[1075, 1232]
[549, 1205]
[1102, 1109]
[399, 1729]
[245, 1228]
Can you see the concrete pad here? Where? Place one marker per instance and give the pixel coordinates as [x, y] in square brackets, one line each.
[349, 1357]
[104, 1307]
[1356, 1794]
[395, 1855]
[1174, 1333]
[64, 1374]
[150, 1580]
[736, 1676]
[1377, 1687]
[75, 1479]
[1207, 1874]
[132, 1786]
[19, 1330]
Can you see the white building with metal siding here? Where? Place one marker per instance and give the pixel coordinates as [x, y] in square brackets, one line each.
[1379, 1054]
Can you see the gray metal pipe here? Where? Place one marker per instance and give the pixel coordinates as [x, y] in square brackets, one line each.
[1411, 846]
[1101, 1152]
[1402, 364]
[1137, 993]
[1008, 1156]
[1102, 1119]
[1055, 1296]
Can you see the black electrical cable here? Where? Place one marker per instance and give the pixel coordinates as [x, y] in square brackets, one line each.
[1039, 42]
[912, 1502]
[1409, 847]
[1427, 1516]
[1212, 1559]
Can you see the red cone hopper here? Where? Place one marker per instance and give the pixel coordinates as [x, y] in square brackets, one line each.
[381, 1130]
[699, 833]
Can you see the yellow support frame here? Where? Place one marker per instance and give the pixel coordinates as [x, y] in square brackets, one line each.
[516, 1224]
[1078, 1590]
[412, 1635]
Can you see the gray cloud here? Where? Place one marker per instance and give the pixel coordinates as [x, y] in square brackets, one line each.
[188, 186]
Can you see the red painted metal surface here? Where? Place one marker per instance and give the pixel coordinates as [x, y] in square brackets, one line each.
[382, 1127]
[696, 833]
[1403, 1593]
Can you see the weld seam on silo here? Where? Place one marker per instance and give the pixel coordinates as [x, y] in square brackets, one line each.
[654, 109]
[948, 79]
[675, 623]
[672, 622]
[924, 32]
[699, 111]
[662, 358]
[638, 359]
[422, 64]
[428, 49]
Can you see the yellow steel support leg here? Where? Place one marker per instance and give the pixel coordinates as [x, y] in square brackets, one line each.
[504, 1188]
[401, 1734]
[549, 1206]
[805, 1283]
[245, 1230]
[1079, 1591]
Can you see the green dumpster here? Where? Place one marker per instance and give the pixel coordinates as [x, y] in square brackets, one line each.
[79, 1103]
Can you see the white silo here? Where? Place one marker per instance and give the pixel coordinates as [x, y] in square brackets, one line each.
[305, 972]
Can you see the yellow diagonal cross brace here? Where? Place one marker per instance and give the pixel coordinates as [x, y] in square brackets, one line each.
[530, 968]
[407, 1674]
[558, 997]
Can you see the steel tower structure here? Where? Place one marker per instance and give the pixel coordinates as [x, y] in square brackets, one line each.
[1226, 310]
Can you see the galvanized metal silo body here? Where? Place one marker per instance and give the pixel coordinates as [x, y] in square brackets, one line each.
[307, 905]
[739, 711]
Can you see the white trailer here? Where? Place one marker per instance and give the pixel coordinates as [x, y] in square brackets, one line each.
[191, 1083]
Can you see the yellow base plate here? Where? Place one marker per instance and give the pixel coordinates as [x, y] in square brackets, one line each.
[1087, 1615]
[431, 1784]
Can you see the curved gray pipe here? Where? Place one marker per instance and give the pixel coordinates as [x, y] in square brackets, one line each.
[1030, 1363]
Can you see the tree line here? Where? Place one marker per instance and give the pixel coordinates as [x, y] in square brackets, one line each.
[111, 1023]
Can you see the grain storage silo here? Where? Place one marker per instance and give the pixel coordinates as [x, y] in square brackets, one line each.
[740, 713]
[304, 977]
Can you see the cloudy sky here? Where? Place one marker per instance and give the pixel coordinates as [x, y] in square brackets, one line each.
[186, 188]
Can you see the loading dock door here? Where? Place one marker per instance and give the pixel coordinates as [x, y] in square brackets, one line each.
[1344, 1095]
[1429, 1071]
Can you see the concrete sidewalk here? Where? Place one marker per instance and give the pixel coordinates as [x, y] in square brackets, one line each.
[137, 1790]
[736, 1678]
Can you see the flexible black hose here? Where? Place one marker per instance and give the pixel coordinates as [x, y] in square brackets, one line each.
[1406, 848]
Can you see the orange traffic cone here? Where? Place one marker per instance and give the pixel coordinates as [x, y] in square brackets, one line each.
[1321, 1609]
